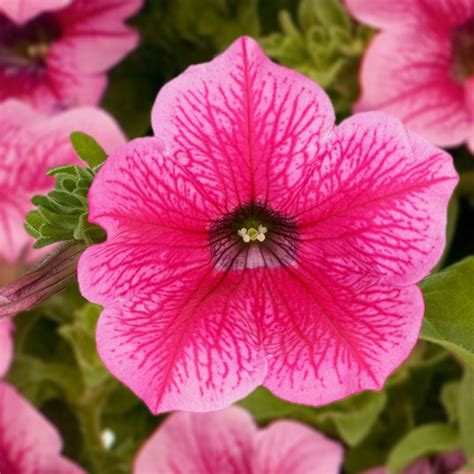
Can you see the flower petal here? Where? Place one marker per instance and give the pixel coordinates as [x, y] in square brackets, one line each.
[28, 442]
[140, 185]
[329, 334]
[94, 52]
[15, 120]
[415, 85]
[84, 13]
[176, 331]
[188, 344]
[408, 13]
[96, 37]
[211, 442]
[380, 13]
[6, 345]
[469, 94]
[21, 11]
[381, 200]
[66, 89]
[243, 125]
[286, 446]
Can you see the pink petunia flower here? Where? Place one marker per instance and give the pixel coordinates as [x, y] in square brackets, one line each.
[55, 57]
[31, 144]
[29, 444]
[6, 345]
[229, 441]
[254, 242]
[421, 66]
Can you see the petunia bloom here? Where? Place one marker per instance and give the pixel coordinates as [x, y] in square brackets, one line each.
[31, 144]
[6, 345]
[55, 53]
[320, 301]
[28, 442]
[228, 441]
[421, 66]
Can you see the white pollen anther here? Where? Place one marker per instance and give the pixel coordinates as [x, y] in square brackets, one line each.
[108, 438]
[252, 234]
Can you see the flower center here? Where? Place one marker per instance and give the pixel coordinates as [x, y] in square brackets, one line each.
[253, 236]
[24, 48]
[462, 42]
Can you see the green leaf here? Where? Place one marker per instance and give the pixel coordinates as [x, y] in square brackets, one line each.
[81, 336]
[330, 12]
[449, 313]
[325, 45]
[266, 407]
[351, 418]
[450, 400]
[88, 149]
[33, 223]
[44, 242]
[62, 215]
[423, 441]
[466, 414]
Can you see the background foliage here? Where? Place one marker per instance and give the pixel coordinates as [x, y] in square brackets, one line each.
[427, 405]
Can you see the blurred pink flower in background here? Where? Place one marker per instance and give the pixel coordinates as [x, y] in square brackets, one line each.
[55, 57]
[29, 444]
[229, 442]
[421, 66]
[31, 144]
[6, 345]
[21, 11]
[254, 242]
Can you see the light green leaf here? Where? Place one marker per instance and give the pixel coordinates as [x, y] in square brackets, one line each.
[466, 413]
[351, 418]
[81, 336]
[330, 12]
[420, 442]
[355, 416]
[88, 149]
[450, 399]
[449, 314]
[266, 407]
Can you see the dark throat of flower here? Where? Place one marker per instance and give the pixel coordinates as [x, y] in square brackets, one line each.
[24, 48]
[462, 43]
[253, 236]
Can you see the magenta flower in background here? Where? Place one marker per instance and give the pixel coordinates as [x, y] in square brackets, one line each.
[57, 58]
[29, 444]
[421, 66]
[254, 242]
[6, 345]
[31, 144]
[21, 11]
[228, 441]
